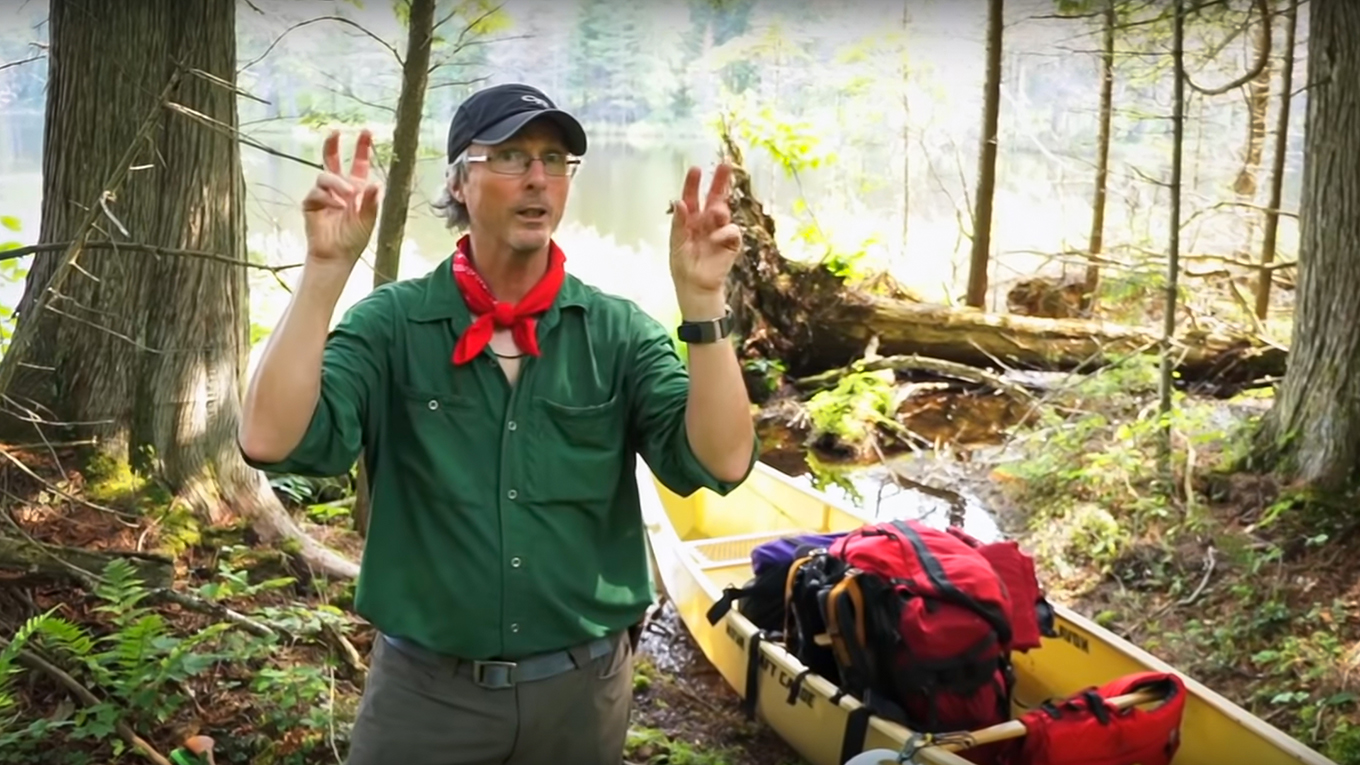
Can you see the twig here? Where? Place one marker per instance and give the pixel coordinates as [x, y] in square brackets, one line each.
[89, 699]
[958, 505]
[213, 609]
[147, 249]
[913, 361]
[218, 81]
[52, 487]
[28, 60]
[232, 132]
[300, 24]
[24, 334]
[1208, 572]
[347, 649]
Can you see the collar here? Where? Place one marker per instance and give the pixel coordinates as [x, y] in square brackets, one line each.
[442, 300]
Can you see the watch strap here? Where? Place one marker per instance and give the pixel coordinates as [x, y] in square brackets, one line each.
[709, 331]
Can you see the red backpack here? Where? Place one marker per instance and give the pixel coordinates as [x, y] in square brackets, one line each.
[1085, 729]
[918, 625]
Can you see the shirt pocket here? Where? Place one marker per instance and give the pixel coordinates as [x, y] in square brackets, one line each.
[438, 431]
[578, 452]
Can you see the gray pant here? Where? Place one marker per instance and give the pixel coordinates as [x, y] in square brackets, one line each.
[418, 711]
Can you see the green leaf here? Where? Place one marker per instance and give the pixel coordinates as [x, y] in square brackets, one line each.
[10, 222]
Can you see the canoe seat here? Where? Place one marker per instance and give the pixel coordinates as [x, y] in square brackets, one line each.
[724, 552]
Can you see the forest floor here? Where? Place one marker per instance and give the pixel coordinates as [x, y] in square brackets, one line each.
[1247, 585]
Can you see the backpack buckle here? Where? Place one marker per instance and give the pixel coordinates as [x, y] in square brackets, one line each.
[494, 675]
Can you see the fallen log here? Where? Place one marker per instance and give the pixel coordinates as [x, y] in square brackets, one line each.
[813, 320]
[23, 562]
[976, 338]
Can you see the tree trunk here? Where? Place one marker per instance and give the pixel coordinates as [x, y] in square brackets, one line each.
[1265, 278]
[1173, 253]
[147, 352]
[415, 77]
[986, 185]
[1097, 241]
[1312, 433]
[1258, 104]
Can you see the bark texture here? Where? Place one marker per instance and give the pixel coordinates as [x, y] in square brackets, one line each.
[147, 352]
[1313, 431]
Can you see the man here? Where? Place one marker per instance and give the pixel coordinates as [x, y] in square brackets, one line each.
[500, 404]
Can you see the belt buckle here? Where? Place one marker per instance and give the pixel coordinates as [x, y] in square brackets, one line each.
[494, 675]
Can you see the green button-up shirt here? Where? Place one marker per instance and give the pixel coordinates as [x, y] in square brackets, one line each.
[505, 520]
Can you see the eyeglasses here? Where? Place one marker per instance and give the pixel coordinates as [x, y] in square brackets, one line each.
[516, 162]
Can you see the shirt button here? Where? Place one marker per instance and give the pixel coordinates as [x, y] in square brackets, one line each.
[514, 628]
[514, 562]
[513, 425]
[512, 494]
[433, 404]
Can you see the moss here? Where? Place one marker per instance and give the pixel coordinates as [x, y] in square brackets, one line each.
[109, 480]
[180, 527]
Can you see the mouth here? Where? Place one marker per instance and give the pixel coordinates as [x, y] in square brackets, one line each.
[532, 213]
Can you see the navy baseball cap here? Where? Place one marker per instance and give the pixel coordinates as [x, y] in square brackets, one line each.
[493, 114]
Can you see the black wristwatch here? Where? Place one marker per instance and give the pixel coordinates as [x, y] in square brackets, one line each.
[710, 331]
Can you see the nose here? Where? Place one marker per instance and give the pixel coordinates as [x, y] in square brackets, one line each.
[536, 176]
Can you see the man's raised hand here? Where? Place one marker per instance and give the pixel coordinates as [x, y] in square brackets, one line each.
[340, 210]
[704, 241]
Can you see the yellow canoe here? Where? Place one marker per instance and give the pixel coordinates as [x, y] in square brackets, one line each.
[702, 543]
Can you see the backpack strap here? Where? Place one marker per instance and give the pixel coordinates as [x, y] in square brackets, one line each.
[723, 604]
[789, 583]
[845, 612]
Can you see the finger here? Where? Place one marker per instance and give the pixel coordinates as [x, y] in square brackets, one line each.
[679, 220]
[330, 152]
[719, 187]
[728, 237]
[320, 199]
[690, 195]
[363, 156]
[335, 184]
[368, 204]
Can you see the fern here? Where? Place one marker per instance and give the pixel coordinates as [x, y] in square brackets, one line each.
[9, 666]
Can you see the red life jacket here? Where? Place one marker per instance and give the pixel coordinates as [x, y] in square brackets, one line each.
[1084, 729]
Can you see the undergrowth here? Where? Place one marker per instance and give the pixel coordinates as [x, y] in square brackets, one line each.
[1237, 580]
[150, 674]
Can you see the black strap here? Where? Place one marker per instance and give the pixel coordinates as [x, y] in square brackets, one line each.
[1097, 706]
[748, 703]
[723, 604]
[856, 730]
[797, 685]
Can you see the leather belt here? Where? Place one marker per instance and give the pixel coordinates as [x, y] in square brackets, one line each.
[500, 675]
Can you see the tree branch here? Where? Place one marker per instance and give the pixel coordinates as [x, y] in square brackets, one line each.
[10, 64]
[228, 130]
[148, 249]
[1262, 59]
[300, 24]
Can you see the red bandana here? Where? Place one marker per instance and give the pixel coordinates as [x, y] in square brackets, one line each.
[492, 313]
